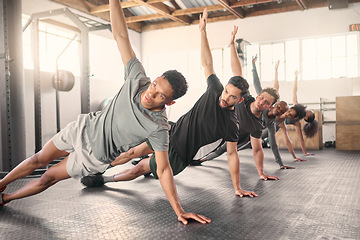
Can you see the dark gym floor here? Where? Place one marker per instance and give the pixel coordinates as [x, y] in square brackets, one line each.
[320, 199]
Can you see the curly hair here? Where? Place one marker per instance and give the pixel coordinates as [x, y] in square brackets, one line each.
[300, 110]
[178, 83]
[311, 128]
[273, 92]
[240, 83]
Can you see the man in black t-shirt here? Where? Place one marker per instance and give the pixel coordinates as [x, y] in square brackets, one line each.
[249, 113]
[211, 119]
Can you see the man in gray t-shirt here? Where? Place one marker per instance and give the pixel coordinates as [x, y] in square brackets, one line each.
[89, 144]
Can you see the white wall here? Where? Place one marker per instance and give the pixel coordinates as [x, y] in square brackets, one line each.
[176, 47]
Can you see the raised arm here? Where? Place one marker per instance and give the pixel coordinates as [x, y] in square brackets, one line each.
[295, 101]
[234, 168]
[120, 31]
[206, 57]
[234, 57]
[276, 79]
[256, 78]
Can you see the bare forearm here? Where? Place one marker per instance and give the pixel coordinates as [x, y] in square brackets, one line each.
[259, 161]
[234, 168]
[118, 21]
[120, 32]
[276, 80]
[235, 61]
[168, 185]
[295, 101]
[135, 152]
[206, 57]
[290, 148]
[300, 136]
[288, 142]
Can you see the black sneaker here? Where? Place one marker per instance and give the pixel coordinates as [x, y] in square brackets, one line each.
[135, 162]
[93, 180]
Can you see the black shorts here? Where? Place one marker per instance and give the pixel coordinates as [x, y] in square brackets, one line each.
[177, 165]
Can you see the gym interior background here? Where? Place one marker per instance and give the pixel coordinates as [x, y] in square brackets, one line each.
[321, 39]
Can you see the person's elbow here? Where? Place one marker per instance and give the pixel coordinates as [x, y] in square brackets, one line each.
[207, 64]
[164, 171]
[121, 37]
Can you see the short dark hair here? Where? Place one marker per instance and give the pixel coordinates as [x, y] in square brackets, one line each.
[273, 92]
[240, 83]
[178, 83]
[311, 128]
[300, 111]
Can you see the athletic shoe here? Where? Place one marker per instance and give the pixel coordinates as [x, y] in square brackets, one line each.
[2, 189]
[96, 180]
[135, 162]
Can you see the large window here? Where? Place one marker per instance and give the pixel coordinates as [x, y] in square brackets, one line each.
[315, 58]
[52, 41]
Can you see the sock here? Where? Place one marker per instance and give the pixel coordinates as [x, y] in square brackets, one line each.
[108, 179]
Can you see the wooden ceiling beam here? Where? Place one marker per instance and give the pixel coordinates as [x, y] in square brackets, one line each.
[164, 10]
[143, 18]
[250, 2]
[234, 10]
[127, 4]
[175, 24]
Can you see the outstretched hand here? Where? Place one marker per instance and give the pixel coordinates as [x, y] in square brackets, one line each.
[242, 193]
[296, 73]
[233, 34]
[254, 59]
[197, 217]
[268, 177]
[203, 20]
[277, 64]
[123, 158]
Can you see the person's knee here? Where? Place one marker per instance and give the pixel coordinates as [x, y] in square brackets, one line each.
[47, 179]
[139, 170]
[35, 161]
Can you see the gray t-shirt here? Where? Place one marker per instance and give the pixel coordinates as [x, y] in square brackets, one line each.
[124, 122]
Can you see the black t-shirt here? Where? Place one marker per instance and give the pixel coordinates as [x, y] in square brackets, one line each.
[205, 123]
[248, 123]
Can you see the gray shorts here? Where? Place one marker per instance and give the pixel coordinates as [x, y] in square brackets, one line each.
[74, 140]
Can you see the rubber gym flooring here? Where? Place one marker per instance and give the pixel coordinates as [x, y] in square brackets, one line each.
[320, 199]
